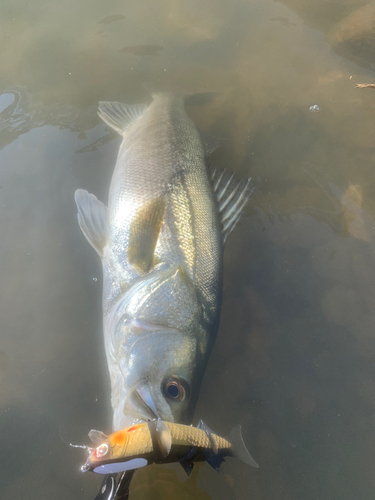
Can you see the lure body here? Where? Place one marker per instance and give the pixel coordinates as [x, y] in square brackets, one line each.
[162, 442]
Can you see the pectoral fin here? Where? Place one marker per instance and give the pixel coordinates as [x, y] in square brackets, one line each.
[144, 234]
[165, 438]
[161, 437]
[92, 219]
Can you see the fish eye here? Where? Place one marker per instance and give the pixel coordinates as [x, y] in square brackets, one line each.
[175, 389]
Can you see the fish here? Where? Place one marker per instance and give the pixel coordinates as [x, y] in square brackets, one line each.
[161, 241]
[162, 442]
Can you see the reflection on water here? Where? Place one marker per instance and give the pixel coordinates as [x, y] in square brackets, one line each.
[20, 113]
[294, 359]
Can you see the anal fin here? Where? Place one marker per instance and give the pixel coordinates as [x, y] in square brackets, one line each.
[92, 219]
[187, 465]
[215, 461]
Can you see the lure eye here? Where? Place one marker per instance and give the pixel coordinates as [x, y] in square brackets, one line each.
[174, 389]
[101, 450]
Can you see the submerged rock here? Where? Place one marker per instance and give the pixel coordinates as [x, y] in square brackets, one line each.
[354, 37]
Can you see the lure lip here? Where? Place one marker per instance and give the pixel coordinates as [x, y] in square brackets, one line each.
[90, 465]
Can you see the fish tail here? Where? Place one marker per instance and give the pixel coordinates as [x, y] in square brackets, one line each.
[239, 448]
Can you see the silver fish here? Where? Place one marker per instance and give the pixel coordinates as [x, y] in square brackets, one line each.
[161, 243]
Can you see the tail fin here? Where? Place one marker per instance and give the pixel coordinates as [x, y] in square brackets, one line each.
[239, 449]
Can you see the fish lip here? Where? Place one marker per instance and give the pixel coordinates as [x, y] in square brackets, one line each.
[139, 403]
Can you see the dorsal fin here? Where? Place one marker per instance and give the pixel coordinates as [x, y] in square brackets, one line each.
[120, 116]
[97, 437]
[92, 219]
[232, 196]
[144, 233]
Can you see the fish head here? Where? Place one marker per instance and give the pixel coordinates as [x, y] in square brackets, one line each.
[158, 378]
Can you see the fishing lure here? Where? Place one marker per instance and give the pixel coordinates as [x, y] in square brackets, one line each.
[162, 442]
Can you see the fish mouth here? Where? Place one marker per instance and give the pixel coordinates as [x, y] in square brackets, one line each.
[139, 405]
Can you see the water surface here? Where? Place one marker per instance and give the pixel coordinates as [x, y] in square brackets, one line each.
[294, 358]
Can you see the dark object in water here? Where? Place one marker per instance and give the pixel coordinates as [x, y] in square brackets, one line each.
[115, 486]
[142, 50]
[112, 19]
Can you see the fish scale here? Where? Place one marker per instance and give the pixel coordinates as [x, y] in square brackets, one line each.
[182, 434]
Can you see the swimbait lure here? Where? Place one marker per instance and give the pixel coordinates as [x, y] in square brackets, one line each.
[163, 442]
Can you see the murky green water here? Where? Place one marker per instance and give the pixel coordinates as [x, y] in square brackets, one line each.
[294, 358]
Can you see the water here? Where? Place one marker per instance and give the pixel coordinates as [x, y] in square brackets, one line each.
[294, 358]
